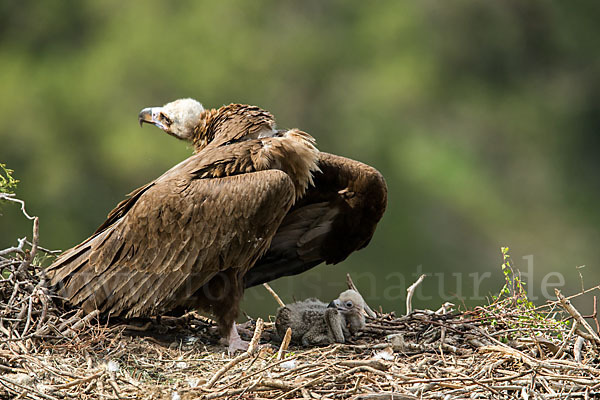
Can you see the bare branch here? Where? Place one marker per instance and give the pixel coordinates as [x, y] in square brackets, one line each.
[277, 298]
[410, 292]
[11, 197]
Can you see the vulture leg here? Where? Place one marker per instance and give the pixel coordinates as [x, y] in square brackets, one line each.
[227, 288]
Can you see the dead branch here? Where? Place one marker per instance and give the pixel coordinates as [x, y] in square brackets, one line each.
[410, 292]
[249, 353]
[275, 296]
[577, 317]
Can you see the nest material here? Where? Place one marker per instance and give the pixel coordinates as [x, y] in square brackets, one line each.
[48, 352]
[507, 349]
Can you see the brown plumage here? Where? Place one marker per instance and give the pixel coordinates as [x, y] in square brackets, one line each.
[337, 215]
[193, 237]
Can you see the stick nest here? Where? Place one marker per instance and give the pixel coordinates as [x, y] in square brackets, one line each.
[49, 352]
[508, 349]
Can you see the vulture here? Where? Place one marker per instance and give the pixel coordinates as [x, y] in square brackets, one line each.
[252, 204]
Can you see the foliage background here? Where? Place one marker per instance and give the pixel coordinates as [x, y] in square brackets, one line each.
[483, 117]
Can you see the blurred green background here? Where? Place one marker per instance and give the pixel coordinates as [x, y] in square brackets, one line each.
[483, 117]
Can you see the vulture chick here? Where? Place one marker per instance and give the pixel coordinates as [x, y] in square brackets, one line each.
[187, 239]
[336, 216]
[316, 323]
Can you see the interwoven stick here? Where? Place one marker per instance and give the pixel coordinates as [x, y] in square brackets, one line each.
[249, 353]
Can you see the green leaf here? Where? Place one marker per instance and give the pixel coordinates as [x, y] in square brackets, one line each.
[8, 184]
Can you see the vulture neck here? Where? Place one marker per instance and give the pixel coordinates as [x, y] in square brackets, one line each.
[246, 136]
[231, 123]
[202, 136]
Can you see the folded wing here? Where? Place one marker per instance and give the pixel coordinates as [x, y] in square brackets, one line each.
[171, 237]
[335, 218]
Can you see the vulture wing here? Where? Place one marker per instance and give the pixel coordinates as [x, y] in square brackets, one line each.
[335, 217]
[171, 237]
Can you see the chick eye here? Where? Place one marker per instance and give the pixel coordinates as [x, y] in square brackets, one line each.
[167, 120]
[348, 304]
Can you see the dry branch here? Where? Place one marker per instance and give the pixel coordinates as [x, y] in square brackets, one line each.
[275, 296]
[249, 353]
[284, 343]
[577, 317]
[410, 292]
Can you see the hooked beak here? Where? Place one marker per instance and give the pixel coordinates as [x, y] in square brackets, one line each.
[335, 304]
[146, 116]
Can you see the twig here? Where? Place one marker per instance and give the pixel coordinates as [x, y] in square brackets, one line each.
[311, 382]
[28, 321]
[277, 298]
[245, 377]
[260, 326]
[368, 363]
[251, 349]
[552, 303]
[79, 381]
[36, 236]
[11, 197]
[276, 383]
[577, 347]
[563, 346]
[595, 315]
[577, 316]
[45, 250]
[71, 330]
[284, 343]
[18, 249]
[27, 388]
[410, 292]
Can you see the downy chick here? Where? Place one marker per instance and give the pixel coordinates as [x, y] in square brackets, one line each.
[316, 323]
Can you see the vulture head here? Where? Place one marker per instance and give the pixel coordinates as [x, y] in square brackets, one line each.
[351, 305]
[188, 120]
[178, 118]
[349, 302]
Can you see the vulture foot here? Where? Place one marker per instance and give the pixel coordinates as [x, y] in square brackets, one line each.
[235, 341]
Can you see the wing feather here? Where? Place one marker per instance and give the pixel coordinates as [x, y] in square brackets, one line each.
[335, 218]
[171, 237]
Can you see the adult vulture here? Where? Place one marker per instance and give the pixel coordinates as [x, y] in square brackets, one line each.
[251, 205]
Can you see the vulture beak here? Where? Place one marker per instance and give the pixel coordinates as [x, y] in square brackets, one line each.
[146, 116]
[151, 115]
[334, 304]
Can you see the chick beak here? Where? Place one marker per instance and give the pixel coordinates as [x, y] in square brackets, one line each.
[336, 304]
[146, 116]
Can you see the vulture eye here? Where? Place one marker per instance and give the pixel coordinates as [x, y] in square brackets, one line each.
[348, 304]
[167, 120]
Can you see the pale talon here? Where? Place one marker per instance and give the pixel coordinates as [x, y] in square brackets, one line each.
[236, 345]
[235, 341]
